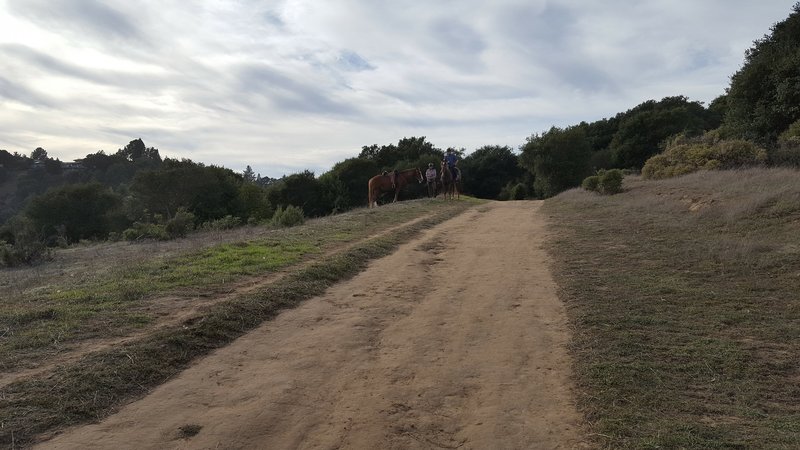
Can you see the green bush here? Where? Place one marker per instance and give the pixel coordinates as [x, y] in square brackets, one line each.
[519, 192]
[30, 254]
[505, 193]
[591, 183]
[181, 224]
[610, 181]
[288, 217]
[787, 151]
[226, 223]
[27, 246]
[793, 131]
[606, 182]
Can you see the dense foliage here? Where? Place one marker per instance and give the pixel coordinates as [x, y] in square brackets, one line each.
[643, 129]
[764, 95]
[76, 211]
[558, 158]
[490, 169]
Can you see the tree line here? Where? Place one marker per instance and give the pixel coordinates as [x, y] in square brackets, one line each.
[134, 192]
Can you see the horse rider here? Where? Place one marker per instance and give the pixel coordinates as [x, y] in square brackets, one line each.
[430, 175]
[452, 159]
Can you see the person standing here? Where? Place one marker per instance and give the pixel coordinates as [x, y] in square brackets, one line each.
[430, 175]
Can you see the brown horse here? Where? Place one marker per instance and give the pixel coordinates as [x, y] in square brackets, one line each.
[450, 184]
[383, 183]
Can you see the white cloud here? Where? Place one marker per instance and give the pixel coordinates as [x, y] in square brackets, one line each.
[286, 85]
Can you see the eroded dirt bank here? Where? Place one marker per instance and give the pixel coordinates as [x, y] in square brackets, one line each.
[457, 340]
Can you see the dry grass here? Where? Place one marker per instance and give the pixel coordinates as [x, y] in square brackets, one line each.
[683, 294]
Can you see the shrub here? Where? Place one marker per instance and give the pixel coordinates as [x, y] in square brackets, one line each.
[181, 224]
[591, 183]
[226, 223]
[519, 192]
[707, 152]
[610, 181]
[27, 247]
[607, 182]
[288, 217]
[29, 253]
[793, 131]
[141, 230]
[787, 151]
[505, 193]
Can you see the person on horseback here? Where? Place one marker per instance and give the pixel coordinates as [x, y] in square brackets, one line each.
[452, 160]
[430, 176]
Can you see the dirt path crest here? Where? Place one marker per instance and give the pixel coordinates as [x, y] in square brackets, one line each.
[457, 340]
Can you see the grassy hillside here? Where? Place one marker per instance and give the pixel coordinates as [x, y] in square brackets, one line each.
[684, 295]
[104, 324]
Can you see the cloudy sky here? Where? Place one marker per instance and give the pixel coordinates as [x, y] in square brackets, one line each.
[287, 85]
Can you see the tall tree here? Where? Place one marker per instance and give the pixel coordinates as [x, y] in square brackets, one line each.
[558, 159]
[248, 175]
[39, 154]
[302, 190]
[764, 96]
[644, 129]
[407, 152]
[207, 192]
[347, 182]
[81, 211]
[488, 169]
[136, 151]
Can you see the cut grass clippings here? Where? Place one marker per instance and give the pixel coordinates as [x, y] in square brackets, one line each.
[683, 299]
[92, 388]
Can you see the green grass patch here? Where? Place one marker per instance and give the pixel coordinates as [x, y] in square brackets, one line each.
[230, 260]
[683, 298]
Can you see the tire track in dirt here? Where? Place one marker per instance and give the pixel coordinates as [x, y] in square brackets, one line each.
[457, 340]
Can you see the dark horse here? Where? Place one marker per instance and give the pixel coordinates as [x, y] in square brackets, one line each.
[383, 183]
[450, 184]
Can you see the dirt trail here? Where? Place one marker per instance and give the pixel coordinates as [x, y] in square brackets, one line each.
[457, 340]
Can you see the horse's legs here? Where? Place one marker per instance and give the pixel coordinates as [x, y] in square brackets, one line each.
[373, 198]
